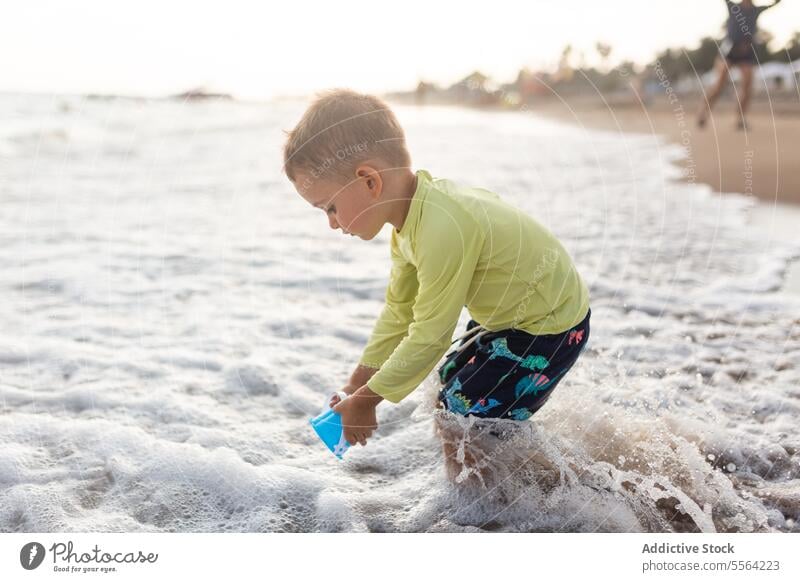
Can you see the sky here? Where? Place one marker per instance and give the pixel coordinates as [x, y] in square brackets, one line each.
[262, 49]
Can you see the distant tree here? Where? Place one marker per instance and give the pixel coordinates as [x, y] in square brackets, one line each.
[672, 63]
[702, 58]
[604, 50]
[626, 68]
[791, 52]
[564, 67]
[761, 45]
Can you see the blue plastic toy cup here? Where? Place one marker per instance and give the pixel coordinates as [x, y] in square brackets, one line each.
[328, 426]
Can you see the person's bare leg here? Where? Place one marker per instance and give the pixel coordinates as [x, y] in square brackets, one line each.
[747, 89]
[716, 91]
[453, 467]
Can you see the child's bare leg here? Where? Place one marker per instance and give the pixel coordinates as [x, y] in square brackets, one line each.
[449, 450]
[451, 465]
[474, 461]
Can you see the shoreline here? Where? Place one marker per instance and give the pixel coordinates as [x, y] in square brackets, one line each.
[779, 221]
[756, 163]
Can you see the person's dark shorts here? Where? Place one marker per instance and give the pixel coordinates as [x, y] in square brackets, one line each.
[741, 52]
[508, 373]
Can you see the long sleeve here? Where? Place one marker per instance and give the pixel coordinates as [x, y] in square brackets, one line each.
[446, 258]
[393, 321]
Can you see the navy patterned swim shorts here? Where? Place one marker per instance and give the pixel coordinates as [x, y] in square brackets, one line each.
[508, 373]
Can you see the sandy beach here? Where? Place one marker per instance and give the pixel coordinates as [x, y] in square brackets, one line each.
[761, 161]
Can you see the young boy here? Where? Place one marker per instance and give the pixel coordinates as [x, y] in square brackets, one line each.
[452, 246]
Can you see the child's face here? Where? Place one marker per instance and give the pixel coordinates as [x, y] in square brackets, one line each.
[352, 207]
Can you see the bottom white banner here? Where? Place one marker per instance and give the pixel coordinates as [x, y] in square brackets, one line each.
[333, 557]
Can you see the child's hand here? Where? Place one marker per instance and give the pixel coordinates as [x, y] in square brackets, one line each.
[358, 418]
[348, 389]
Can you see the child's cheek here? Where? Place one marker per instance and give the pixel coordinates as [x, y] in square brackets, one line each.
[355, 219]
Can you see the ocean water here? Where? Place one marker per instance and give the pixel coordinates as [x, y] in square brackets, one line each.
[174, 313]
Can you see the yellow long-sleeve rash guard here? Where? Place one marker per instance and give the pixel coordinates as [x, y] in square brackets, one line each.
[464, 246]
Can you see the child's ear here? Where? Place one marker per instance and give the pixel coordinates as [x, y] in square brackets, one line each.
[375, 184]
[372, 177]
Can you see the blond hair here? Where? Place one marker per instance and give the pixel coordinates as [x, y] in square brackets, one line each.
[340, 129]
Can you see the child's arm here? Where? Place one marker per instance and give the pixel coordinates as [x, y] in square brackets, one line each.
[389, 329]
[446, 256]
[392, 323]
